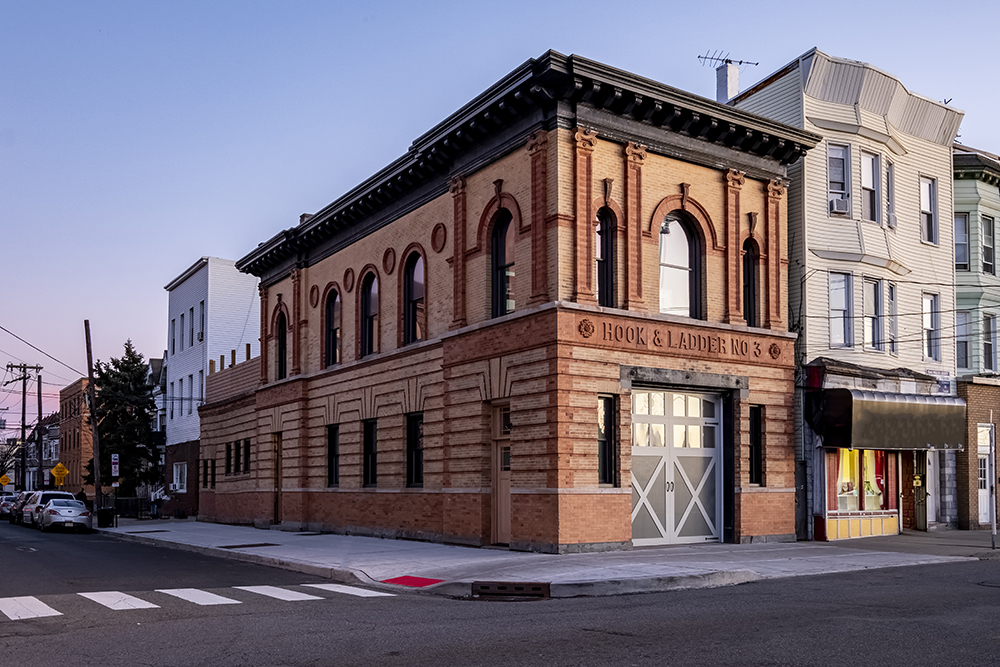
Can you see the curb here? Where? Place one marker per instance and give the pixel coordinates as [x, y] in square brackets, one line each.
[463, 589]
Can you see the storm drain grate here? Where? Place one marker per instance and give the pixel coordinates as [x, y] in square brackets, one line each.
[510, 590]
[146, 532]
[248, 546]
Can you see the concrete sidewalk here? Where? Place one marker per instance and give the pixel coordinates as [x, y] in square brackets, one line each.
[452, 569]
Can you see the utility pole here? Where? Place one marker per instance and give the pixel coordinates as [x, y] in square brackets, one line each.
[92, 399]
[24, 368]
[38, 429]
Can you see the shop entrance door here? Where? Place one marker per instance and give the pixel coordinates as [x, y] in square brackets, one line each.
[920, 492]
[985, 438]
[676, 467]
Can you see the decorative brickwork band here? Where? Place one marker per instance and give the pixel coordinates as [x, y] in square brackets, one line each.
[296, 321]
[262, 291]
[538, 143]
[734, 286]
[635, 156]
[586, 141]
[457, 189]
[775, 268]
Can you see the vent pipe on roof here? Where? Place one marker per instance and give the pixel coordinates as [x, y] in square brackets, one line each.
[727, 82]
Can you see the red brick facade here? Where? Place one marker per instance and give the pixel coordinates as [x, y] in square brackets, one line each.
[547, 361]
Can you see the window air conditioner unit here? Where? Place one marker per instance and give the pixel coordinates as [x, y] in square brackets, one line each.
[173, 487]
[892, 220]
[201, 336]
[839, 205]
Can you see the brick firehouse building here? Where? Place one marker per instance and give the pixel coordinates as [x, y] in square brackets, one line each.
[558, 322]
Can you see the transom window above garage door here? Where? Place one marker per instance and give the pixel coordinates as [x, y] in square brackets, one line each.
[674, 419]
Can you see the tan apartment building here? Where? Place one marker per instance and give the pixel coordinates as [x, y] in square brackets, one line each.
[76, 447]
[557, 323]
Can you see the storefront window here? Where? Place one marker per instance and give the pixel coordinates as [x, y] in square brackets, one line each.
[863, 481]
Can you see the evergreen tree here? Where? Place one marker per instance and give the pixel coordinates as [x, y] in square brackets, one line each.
[124, 414]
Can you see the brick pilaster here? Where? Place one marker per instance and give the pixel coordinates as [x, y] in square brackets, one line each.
[586, 140]
[538, 150]
[457, 189]
[734, 287]
[296, 321]
[264, 321]
[635, 156]
[772, 230]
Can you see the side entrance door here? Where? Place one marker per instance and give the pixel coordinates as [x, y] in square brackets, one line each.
[985, 438]
[676, 467]
[501, 475]
[920, 493]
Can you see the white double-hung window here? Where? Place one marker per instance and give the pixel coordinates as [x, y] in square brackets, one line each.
[928, 210]
[892, 299]
[870, 178]
[873, 314]
[841, 321]
[839, 178]
[962, 318]
[989, 246]
[961, 241]
[931, 327]
[989, 342]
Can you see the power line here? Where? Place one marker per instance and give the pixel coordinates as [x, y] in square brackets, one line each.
[38, 349]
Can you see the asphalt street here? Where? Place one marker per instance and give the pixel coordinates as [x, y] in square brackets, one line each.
[939, 614]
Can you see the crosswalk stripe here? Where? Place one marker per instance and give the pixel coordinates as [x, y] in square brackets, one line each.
[197, 596]
[118, 601]
[350, 590]
[278, 593]
[25, 607]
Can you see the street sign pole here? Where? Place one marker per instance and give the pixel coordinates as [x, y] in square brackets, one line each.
[92, 396]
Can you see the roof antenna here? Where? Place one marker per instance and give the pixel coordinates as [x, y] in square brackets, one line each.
[727, 73]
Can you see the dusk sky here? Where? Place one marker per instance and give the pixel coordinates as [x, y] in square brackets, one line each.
[136, 137]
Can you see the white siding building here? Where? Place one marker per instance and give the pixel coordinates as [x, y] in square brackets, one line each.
[871, 294]
[213, 310]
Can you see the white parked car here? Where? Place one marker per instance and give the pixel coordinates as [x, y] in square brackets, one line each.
[29, 513]
[63, 513]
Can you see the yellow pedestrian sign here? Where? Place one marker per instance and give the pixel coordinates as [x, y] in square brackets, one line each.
[59, 472]
[5, 480]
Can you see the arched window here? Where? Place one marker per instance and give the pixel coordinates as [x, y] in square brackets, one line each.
[751, 304]
[680, 268]
[282, 360]
[604, 251]
[369, 315]
[414, 317]
[503, 264]
[332, 328]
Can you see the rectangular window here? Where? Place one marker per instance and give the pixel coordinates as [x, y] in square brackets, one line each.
[839, 177]
[190, 393]
[989, 247]
[237, 460]
[180, 477]
[606, 440]
[890, 194]
[870, 178]
[962, 338]
[931, 325]
[757, 445]
[201, 387]
[182, 332]
[211, 470]
[989, 342]
[191, 325]
[893, 322]
[928, 210]
[961, 241]
[333, 455]
[415, 450]
[201, 314]
[246, 455]
[204, 473]
[229, 458]
[173, 336]
[180, 396]
[841, 322]
[861, 481]
[369, 471]
[873, 314]
[170, 399]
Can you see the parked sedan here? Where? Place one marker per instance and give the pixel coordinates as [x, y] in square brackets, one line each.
[6, 498]
[62, 513]
[33, 506]
[15, 515]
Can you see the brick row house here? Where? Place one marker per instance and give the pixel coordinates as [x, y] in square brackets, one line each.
[559, 322]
